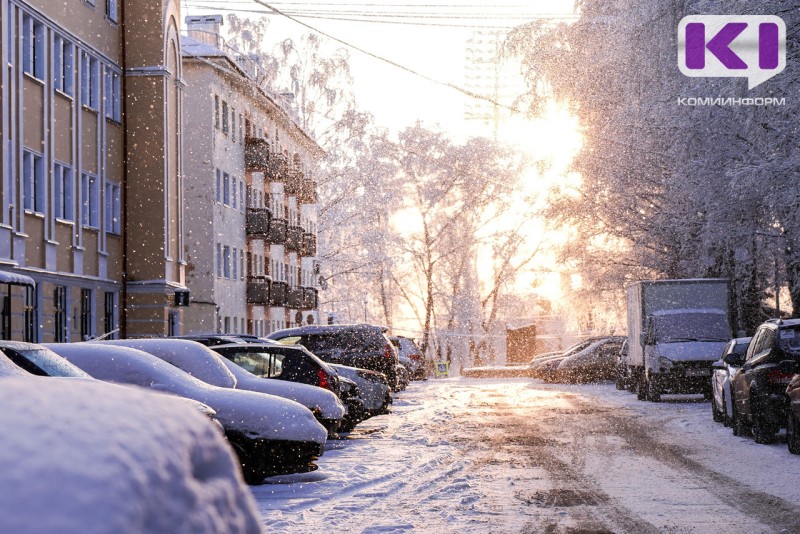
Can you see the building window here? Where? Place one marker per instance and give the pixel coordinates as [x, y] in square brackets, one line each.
[241, 196]
[219, 260]
[219, 186]
[64, 192]
[111, 10]
[33, 182]
[241, 121]
[113, 208]
[90, 81]
[241, 264]
[113, 103]
[33, 47]
[234, 264]
[233, 125]
[227, 325]
[63, 66]
[110, 314]
[233, 192]
[226, 261]
[86, 314]
[90, 201]
[224, 117]
[226, 189]
[60, 334]
[31, 331]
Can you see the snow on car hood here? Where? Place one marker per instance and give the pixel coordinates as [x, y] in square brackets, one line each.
[190, 356]
[311, 397]
[691, 350]
[256, 415]
[84, 456]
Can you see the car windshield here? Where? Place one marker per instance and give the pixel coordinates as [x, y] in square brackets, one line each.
[51, 363]
[692, 327]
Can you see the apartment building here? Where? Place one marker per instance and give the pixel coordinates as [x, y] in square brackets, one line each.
[251, 199]
[90, 200]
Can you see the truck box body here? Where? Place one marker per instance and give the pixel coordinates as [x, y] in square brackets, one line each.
[676, 329]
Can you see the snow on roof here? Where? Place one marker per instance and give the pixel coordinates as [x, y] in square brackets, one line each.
[312, 397]
[7, 277]
[84, 456]
[190, 356]
[256, 414]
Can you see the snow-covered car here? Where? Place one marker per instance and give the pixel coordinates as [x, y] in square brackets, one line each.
[271, 435]
[410, 357]
[39, 360]
[595, 363]
[793, 412]
[85, 456]
[209, 366]
[545, 366]
[722, 371]
[373, 388]
[403, 377]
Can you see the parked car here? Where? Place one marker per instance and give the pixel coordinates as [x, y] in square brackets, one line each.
[758, 388]
[370, 396]
[357, 345]
[39, 360]
[270, 435]
[410, 357]
[403, 377]
[209, 366]
[793, 412]
[594, 363]
[722, 371]
[544, 366]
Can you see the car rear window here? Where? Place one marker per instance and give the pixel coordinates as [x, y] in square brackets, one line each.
[262, 364]
[346, 339]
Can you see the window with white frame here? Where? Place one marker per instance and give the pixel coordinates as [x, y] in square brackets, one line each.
[241, 196]
[241, 124]
[113, 208]
[33, 36]
[241, 264]
[113, 103]
[233, 125]
[226, 189]
[219, 260]
[64, 202]
[216, 111]
[111, 10]
[233, 192]
[224, 117]
[33, 182]
[90, 200]
[63, 66]
[219, 186]
[226, 261]
[90, 81]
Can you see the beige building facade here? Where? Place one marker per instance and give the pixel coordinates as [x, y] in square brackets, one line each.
[91, 233]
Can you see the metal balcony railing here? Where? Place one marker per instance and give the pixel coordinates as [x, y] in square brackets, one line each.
[309, 245]
[259, 290]
[257, 222]
[278, 294]
[278, 231]
[294, 238]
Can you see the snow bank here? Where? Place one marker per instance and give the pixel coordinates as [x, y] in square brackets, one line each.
[311, 397]
[87, 457]
[255, 414]
[194, 358]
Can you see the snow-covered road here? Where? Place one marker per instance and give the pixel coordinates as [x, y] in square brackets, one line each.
[518, 455]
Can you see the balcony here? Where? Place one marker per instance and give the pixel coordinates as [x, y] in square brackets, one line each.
[278, 169]
[279, 294]
[310, 298]
[294, 184]
[295, 298]
[256, 154]
[278, 230]
[309, 245]
[308, 192]
[294, 238]
[257, 222]
[258, 290]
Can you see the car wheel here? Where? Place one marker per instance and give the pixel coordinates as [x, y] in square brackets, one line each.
[726, 421]
[763, 430]
[738, 425]
[716, 414]
[792, 434]
[653, 391]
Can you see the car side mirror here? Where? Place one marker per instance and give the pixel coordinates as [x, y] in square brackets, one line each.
[736, 360]
[788, 367]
